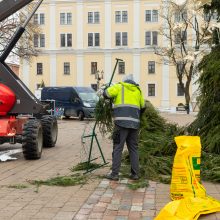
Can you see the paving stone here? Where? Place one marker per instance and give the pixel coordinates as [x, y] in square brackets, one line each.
[95, 215]
[136, 208]
[115, 201]
[64, 215]
[123, 212]
[121, 218]
[124, 181]
[113, 207]
[105, 199]
[99, 209]
[84, 211]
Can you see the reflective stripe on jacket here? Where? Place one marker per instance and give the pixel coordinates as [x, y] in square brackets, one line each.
[128, 101]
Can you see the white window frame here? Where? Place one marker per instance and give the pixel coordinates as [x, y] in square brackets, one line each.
[41, 68]
[121, 16]
[37, 18]
[151, 39]
[66, 21]
[120, 62]
[155, 89]
[93, 39]
[152, 18]
[148, 64]
[66, 74]
[66, 40]
[39, 40]
[93, 21]
[121, 39]
[179, 96]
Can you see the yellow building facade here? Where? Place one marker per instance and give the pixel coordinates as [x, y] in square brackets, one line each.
[81, 37]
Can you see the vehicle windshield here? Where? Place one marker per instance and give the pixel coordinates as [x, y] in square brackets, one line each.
[88, 96]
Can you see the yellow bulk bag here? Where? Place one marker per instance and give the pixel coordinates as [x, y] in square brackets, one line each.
[185, 180]
[188, 209]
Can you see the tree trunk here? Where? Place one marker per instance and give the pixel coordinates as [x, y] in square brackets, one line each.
[187, 96]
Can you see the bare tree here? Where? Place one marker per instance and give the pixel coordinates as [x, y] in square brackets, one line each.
[24, 48]
[188, 35]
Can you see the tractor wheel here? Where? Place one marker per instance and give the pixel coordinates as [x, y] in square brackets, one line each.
[50, 130]
[81, 115]
[65, 115]
[32, 139]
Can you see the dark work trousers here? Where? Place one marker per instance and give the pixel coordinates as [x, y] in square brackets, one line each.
[120, 136]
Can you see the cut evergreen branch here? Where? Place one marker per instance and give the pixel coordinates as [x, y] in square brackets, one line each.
[207, 123]
[84, 166]
[17, 186]
[103, 116]
[72, 180]
[142, 183]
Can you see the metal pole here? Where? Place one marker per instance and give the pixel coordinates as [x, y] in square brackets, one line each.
[117, 60]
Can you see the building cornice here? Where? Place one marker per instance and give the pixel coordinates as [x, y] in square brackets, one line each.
[96, 50]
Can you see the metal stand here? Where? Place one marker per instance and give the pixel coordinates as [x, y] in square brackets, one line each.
[94, 135]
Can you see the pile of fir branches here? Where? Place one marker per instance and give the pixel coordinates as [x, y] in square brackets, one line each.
[157, 147]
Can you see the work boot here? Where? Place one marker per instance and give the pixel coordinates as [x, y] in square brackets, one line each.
[110, 176]
[134, 177]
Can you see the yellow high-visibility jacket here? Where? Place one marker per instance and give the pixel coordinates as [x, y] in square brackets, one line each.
[128, 102]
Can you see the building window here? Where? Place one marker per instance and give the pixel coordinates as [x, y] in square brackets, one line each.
[66, 68]
[93, 17]
[151, 89]
[121, 39]
[35, 40]
[69, 40]
[180, 37]
[211, 16]
[42, 40]
[121, 16]
[96, 17]
[69, 18]
[35, 18]
[117, 17]
[39, 68]
[180, 90]
[93, 39]
[151, 15]
[42, 19]
[154, 36]
[39, 40]
[62, 18]
[66, 40]
[65, 18]
[151, 66]
[93, 67]
[180, 16]
[39, 18]
[151, 38]
[121, 67]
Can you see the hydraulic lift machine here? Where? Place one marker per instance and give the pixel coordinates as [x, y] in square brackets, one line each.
[23, 118]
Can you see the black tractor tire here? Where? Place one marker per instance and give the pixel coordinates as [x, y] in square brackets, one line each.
[32, 139]
[81, 115]
[50, 131]
[65, 115]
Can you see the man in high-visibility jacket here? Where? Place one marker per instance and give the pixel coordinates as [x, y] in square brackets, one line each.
[128, 104]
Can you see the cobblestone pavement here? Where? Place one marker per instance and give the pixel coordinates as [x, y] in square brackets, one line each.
[99, 199]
